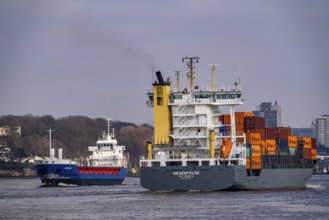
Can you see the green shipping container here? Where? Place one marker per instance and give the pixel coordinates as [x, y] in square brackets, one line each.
[292, 150]
[248, 152]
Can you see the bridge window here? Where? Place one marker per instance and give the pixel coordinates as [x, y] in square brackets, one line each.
[202, 96]
[174, 163]
[220, 96]
[205, 163]
[178, 96]
[192, 163]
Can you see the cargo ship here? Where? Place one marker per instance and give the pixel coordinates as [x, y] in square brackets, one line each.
[198, 147]
[106, 166]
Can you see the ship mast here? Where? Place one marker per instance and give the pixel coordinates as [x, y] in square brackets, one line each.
[108, 127]
[50, 154]
[177, 80]
[213, 67]
[190, 75]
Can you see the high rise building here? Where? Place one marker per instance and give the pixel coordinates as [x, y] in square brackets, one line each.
[271, 113]
[321, 129]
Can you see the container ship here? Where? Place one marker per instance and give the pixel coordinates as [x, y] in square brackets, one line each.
[198, 147]
[106, 166]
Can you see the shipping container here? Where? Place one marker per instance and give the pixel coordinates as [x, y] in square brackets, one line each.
[313, 154]
[255, 165]
[253, 138]
[271, 152]
[256, 150]
[248, 163]
[292, 150]
[263, 146]
[282, 133]
[270, 146]
[270, 133]
[313, 143]
[239, 117]
[238, 128]
[221, 119]
[261, 132]
[253, 122]
[292, 141]
[283, 147]
[226, 119]
[306, 142]
[307, 153]
[223, 130]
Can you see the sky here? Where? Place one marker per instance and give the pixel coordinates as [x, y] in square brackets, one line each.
[98, 58]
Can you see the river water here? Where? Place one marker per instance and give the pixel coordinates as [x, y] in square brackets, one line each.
[25, 199]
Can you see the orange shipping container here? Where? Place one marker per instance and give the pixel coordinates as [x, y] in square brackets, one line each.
[238, 128]
[253, 138]
[307, 142]
[226, 119]
[263, 146]
[256, 151]
[292, 141]
[273, 152]
[239, 117]
[271, 147]
[248, 163]
[313, 154]
[255, 165]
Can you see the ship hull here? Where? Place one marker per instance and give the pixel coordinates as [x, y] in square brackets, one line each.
[71, 174]
[180, 178]
[215, 178]
[274, 179]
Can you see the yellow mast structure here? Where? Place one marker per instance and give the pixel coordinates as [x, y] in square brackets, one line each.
[190, 75]
[213, 68]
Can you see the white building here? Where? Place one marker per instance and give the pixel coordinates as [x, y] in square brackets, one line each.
[321, 129]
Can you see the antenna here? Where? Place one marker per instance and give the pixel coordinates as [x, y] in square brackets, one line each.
[108, 126]
[190, 75]
[177, 80]
[50, 154]
[152, 70]
[213, 67]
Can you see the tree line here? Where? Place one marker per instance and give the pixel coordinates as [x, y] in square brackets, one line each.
[73, 134]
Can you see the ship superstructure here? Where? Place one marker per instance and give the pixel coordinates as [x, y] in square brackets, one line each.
[194, 148]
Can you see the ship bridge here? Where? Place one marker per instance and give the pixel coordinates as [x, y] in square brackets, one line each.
[223, 98]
